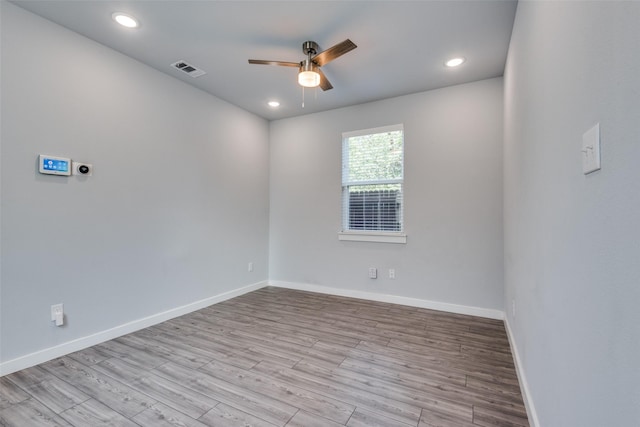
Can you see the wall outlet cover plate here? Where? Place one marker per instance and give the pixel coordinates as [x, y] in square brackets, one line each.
[591, 150]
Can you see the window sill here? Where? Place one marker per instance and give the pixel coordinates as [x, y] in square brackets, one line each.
[372, 236]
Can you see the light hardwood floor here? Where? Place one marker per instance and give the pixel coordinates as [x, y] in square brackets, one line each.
[278, 357]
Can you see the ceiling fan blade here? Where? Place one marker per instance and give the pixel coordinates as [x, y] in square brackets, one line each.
[281, 63]
[333, 52]
[324, 82]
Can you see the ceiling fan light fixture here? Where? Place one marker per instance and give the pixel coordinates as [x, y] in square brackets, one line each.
[308, 76]
[309, 79]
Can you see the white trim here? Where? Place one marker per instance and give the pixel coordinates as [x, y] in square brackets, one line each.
[393, 299]
[522, 378]
[354, 236]
[373, 131]
[47, 354]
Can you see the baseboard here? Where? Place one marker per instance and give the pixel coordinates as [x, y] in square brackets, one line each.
[50, 353]
[394, 299]
[522, 378]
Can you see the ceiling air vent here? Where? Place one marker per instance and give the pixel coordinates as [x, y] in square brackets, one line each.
[188, 69]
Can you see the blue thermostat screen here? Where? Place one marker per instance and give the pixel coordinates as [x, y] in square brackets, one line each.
[55, 165]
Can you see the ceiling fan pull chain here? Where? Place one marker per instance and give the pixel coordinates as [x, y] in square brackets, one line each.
[302, 96]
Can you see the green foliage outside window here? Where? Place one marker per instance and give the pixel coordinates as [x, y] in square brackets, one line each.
[375, 157]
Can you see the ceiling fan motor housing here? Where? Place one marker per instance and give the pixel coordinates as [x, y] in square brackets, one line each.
[308, 65]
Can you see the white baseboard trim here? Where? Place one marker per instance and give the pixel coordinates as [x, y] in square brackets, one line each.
[394, 299]
[50, 353]
[522, 378]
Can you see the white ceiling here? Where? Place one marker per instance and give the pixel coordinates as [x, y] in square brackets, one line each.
[402, 45]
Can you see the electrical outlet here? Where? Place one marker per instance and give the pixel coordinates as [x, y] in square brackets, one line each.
[373, 273]
[392, 273]
[250, 267]
[591, 150]
[57, 314]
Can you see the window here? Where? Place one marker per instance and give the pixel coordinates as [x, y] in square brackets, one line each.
[372, 184]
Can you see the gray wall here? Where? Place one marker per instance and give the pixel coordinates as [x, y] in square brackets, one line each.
[572, 242]
[176, 208]
[453, 199]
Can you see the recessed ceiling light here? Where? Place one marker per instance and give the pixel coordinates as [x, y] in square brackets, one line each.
[125, 20]
[274, 104]
[454, 62]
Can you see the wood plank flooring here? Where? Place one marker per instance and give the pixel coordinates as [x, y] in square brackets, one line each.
[278, 357]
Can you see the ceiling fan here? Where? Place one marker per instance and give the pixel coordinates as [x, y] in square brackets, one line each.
[309, 72]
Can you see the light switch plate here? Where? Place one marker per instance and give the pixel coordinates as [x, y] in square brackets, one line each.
[591, 150]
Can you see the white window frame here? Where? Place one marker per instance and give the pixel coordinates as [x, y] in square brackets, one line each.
[366, 235]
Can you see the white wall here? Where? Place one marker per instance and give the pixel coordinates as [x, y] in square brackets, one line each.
[572, 242]
[453, 199]
[176, 208]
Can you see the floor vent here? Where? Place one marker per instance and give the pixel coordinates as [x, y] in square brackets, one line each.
[188, 69]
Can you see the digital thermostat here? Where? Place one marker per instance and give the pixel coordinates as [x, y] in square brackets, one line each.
[53, 165]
